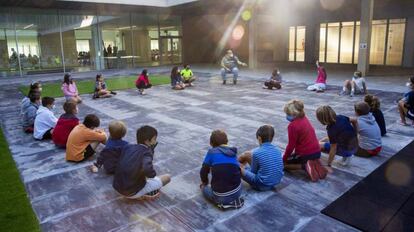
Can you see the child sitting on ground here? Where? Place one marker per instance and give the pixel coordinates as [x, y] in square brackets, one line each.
[342, 139]
[187, 75]
[266, 164]
[369, 133]
[45, 120]
[275, 80]
[355, 86]
[303, 150]
[29, 111]
[320, 84]
[176, 79]
[34, 87]
[65, 124]
[143, 82]
[135, 177]
[225, 190]
[406, 105]
[101, 90]
[70, 91]
[109, 156]
[375, 105]
[84, 139]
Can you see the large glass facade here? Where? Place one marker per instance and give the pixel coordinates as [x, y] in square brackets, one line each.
[297, 36]
[44, 41]
[339, 42]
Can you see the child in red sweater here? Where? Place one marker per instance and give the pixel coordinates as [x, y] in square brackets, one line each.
[143, 82]
[65, 124]
[303, 150]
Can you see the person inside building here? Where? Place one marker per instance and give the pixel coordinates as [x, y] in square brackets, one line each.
[229, 65]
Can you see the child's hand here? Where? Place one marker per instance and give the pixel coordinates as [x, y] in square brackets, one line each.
[94, 169]
[202, 185]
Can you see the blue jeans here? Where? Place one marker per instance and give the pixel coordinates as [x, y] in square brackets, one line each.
[234, 71]
[256, 185]
[210, 196]
[339, 151]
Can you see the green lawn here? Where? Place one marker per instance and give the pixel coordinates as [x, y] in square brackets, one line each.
[87, 86]
[16, 213]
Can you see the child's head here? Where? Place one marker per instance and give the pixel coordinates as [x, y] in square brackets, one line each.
[275, 72]
[186, 66]
[372, 101]
[174, 71]
[67, 79]
[295, 109]
[218, 138]
[34, 97]
[265, 134]
[147, 135]
[99, 77]
[410, 82]
[35, 86]
[326, 115]
[358, 74]
[362, 108]
[91, 121]
[48, 102]
[70, 107]
[117, 130]
[144, 72]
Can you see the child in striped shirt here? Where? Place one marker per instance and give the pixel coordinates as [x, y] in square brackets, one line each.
[265, 164]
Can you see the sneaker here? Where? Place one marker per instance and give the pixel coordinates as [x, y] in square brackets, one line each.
[236, 204]
[345, 161]
[234, 82]
[151, 195]
[311, 170]
[319, 90]
[352, 94]
[321, 170]
[342, 93]
[224, 82]
[113, 92]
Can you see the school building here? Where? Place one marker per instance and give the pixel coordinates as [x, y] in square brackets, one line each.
[48, 36]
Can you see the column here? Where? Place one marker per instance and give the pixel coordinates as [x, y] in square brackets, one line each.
[98, 47]
[252, 41]
[367, 11]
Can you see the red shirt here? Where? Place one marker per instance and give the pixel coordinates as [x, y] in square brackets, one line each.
[142, 78]
[63, 127]
[321, 75]
[302, 138]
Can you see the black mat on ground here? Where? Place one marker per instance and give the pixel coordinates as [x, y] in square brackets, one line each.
[382, 201]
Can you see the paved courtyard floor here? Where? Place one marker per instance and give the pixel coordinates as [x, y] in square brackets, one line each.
[68, 197]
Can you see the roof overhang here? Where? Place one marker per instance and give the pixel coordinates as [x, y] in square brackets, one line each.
[154, 3]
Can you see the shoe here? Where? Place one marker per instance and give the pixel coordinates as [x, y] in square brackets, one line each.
[151, 195]
[114, 93]
[319, 90]
[234, 82]
[236, 204]
[224, 82]
[342, 93]
[345, 161]
[321, 170]
[352, 94]
[311, 170]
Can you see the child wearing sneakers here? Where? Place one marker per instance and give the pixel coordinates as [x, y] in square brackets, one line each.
[45, 120]
[369, 133]
[375, 105]
[143, 82]
[225, 187]
[65, 124]
[109, 156]
[135, 177]
[187, 75]
[320, 84]
[355, 86]
[29, 111]
[275, 80]
[342, 139]
[84, 139]
[406, 105]
[303, 150]
[265, 164]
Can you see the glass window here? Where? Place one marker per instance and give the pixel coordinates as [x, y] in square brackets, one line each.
[347, 42]
[9, 63]
[333, 43]
[38, 39]
[145, 43]
[356, 46]
[292, 37]
[170, 41]
[378, 35]
[395, 47]
[300, 43]
[322, 42]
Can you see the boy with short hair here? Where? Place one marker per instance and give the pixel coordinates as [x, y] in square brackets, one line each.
[369, 133]
[84, 139]
[225, 190]
[187, 75]
[355, 86]
[275, 80]
[265, 161]
[135, 177]
[45, 120]
[109, 156]
[65, 124]
[29, 111]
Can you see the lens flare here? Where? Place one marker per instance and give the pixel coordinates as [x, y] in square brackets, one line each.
[238, 32]
[332, 4]
[246, 15]
[398, 173]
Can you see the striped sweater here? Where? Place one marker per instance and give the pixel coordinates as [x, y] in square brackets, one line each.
[267, 165]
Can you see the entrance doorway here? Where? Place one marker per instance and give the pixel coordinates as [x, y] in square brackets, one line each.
[171, 50]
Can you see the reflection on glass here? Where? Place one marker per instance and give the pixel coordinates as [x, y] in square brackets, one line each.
[322, 42]
[145, 43]
[333, 43]
[292, 35]
[300, 43]
[379, 30]
[347, 42]
[395, 46]
[9, 64]
[170, 32]
[356, 48]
